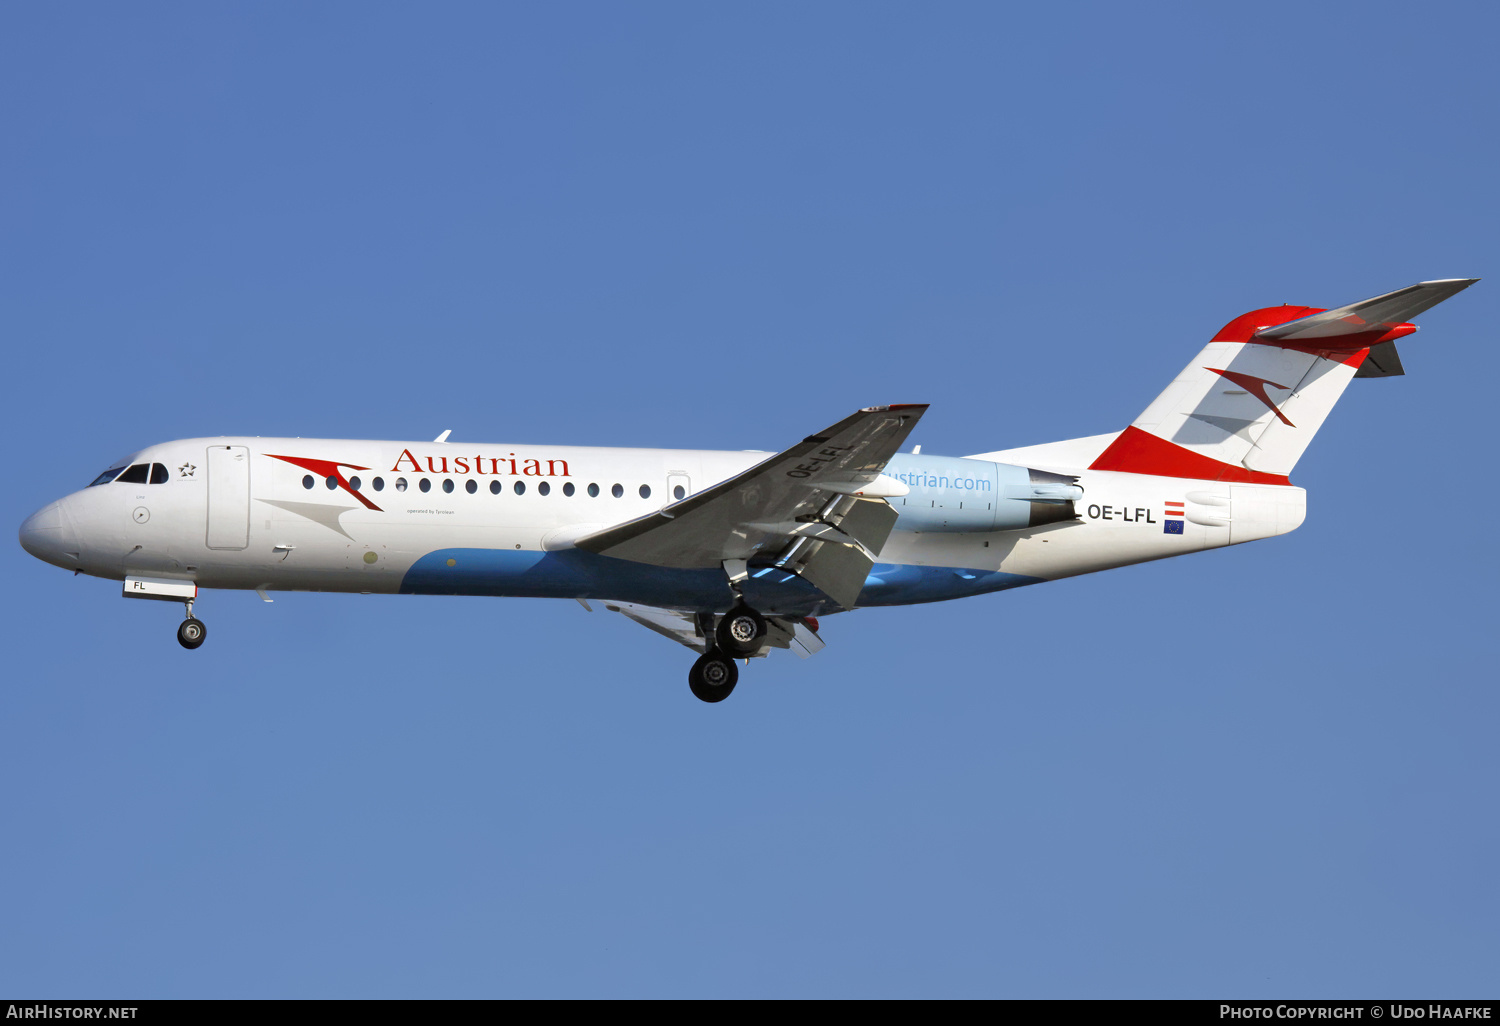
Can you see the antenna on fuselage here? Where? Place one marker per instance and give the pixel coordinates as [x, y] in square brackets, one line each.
[444, 436]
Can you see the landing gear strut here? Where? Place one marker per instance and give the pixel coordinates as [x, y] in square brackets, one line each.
[191, 632]
[713, 676]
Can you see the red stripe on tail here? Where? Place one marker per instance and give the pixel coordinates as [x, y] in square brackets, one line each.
[1140, 452]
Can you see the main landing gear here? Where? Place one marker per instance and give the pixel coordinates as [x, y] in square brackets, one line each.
[191, 632]
[713, 676]
[739, 634]
[740, 631]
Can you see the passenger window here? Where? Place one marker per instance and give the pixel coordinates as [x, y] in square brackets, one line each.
[593, 491]
[543, 488]
[331, 481]
[448, 485]
[568, 488]
[496, 488]
[400, 484]
[471, 486]
[679, 492]
[617, 491]
[354, 483]
[425, 485]
[158, 473]
[645, 491]
[378, 484]
[307, 481]
[520, 487]
[135, 475]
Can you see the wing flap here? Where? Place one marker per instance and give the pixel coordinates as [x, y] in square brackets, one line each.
[795, 635]
[838, 571]
[870, 523]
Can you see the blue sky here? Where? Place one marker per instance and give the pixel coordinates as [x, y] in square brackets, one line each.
[1262, 771]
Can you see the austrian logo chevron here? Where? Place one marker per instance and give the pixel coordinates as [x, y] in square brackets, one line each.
[1256, 387]
[330, 470]
[1172, 524]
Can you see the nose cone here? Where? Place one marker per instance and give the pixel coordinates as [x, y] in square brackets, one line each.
[49, 536]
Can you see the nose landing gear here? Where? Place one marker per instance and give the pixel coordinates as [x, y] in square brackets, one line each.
[191, 632]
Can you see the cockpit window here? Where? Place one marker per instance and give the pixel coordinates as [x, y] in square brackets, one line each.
[135, 475]
[106, 477]
[158, 473]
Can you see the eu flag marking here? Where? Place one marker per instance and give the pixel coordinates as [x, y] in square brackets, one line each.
[1172, 527]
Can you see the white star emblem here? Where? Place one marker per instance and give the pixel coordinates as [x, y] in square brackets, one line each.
[187, 469]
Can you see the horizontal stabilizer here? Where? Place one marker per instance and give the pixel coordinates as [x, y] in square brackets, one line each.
[1379, 314]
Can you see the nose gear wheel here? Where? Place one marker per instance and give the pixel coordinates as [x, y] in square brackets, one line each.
[191, 632]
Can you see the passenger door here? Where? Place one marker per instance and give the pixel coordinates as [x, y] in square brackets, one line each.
[228, 496]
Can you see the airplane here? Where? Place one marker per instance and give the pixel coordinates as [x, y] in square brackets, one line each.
[733, 554]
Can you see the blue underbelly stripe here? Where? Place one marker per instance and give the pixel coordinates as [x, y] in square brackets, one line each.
[574, 573]
[893, 584]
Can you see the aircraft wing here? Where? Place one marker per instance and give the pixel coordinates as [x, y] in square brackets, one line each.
[810, 509]
[682, 627]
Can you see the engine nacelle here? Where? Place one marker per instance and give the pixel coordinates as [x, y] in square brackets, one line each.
[953, 494]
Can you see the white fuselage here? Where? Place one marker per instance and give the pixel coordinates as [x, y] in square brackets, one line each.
[386, 517]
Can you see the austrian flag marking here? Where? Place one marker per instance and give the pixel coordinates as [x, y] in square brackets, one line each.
[1173, 522]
